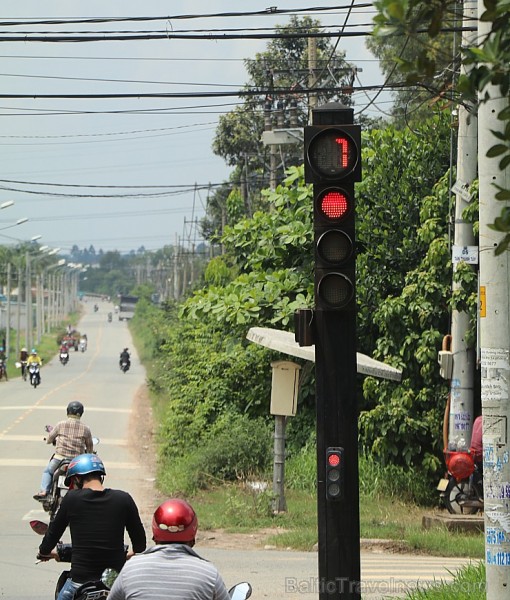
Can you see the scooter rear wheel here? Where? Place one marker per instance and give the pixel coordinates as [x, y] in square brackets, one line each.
[455, 493]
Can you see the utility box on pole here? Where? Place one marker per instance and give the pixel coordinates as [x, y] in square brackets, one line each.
[284, 388]
[284, 394]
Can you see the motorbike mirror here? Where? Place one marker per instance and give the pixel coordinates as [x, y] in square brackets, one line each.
[109, 576]
[39, 527]
[48, 428]
[240, 591]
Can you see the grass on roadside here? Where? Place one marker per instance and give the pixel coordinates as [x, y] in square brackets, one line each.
[237, 508]
[468, 584]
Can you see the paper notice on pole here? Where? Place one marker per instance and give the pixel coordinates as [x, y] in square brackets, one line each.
[495, 372]
[495, 358]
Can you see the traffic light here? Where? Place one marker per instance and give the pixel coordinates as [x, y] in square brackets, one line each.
[333, 164]
[334, 474]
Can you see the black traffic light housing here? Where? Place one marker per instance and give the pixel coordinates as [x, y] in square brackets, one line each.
[335, 474]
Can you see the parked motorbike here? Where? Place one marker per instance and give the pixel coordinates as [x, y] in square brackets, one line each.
[64, 358]
[124, 366]
[51, 502]
[96, 590]
[462, 487]
[34, 373]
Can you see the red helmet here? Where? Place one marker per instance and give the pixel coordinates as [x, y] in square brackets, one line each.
[460, 465]
[174, 521]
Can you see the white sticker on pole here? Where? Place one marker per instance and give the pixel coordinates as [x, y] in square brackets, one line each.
[467, 254]
[462, 189]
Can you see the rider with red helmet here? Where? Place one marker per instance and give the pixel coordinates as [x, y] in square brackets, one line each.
[181, 573]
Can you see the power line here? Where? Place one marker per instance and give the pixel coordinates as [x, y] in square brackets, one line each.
[80, 185]
[268, 11]
[236, 93]
[185, 36]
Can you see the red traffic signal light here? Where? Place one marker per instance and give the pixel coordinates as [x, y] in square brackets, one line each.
[333, 204]
[334, 473]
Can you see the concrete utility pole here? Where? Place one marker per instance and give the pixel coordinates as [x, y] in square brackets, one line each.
[8, 311]
[494, 344]
[464, 358]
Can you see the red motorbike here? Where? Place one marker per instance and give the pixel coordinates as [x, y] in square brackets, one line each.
[462, 487]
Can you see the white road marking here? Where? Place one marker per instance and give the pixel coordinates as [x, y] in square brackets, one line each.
[35, 462]
[34, 514]
[63, 408]
[6, 437]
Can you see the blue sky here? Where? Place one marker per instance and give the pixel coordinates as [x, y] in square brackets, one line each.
[125, 142]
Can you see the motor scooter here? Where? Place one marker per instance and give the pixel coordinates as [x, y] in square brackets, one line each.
[64, 357]
[461, 489]
[97, 590]
[34, 374]
[51, 502]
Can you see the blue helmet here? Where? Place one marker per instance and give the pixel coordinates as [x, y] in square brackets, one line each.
[84, 464]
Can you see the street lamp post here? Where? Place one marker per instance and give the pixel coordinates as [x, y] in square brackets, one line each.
[46, 322]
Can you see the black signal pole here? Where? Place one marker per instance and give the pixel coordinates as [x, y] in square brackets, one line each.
[333, 141]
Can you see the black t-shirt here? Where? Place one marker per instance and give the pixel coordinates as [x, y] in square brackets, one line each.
[97, 521]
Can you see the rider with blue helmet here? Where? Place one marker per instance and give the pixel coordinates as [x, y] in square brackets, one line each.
[97, 518]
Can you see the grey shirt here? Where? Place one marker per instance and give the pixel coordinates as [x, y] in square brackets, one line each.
[169, 572]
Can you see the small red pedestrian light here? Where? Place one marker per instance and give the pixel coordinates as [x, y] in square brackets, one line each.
[334, 474]
[334, 460]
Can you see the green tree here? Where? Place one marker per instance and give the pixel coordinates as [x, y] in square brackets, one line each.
[272, 253]
[283, 66]
[402, 424]
[412, 103]
[489, 59]
[400, 168]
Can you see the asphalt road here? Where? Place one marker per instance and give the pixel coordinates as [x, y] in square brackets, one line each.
[93, 377]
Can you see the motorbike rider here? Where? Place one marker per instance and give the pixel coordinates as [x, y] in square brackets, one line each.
[97, 517]
[71, 437]
[476, 446]
[3, 362]
[35, 358]
[125, 357]
[181, 573]
[23, 357]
